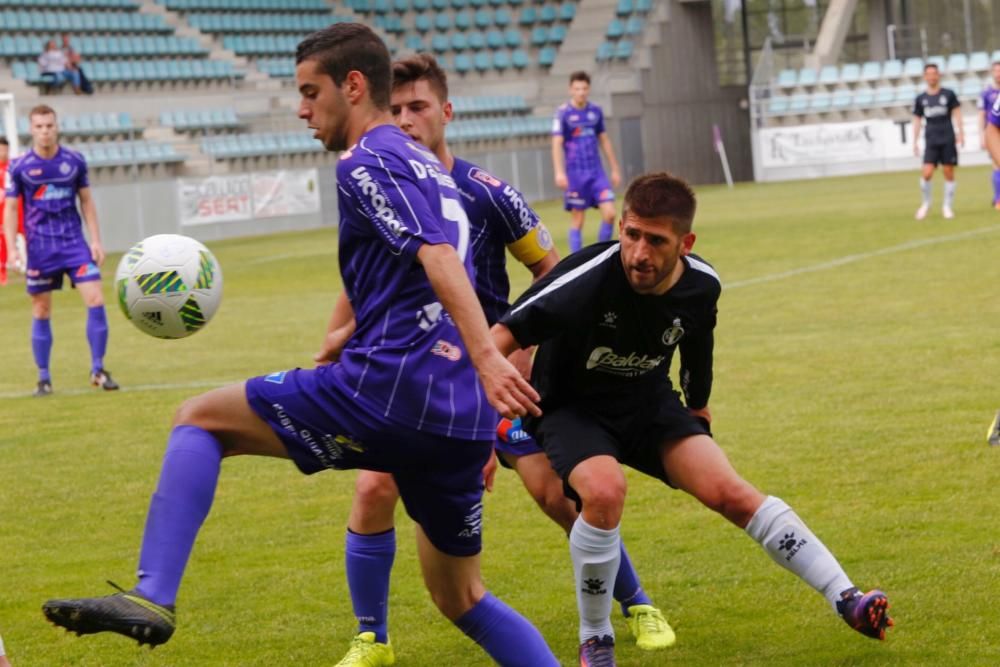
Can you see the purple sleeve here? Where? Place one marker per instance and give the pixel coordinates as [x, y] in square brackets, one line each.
[83, 177]
[984, 100]
[557, 124]
[993, 113]
[383, 191]
[510, 206]
[599, 127]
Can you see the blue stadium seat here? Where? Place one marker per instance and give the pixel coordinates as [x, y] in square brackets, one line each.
[463, 63]
[519, 58]
[979, 61]
[971, 88]
[484, 18]
[605, 52]
[807, 77]
[547, 14]
[777, 105]
[442, 22]
[906, 95]
[623, 50]
[439, 5]
[567, 12]
[440, 43]
[557, 34]
[819, 102]
[634, 26]
[643, 6]
[615, 29]
[463, 20]
[871, 71]
[477, 41]
[383, 6]
[494, 39]
[885, 95]
[482, 61]
[829, 75]
[539, 36]
[913, 67]
[787, 78]
[892, 69]
[850, 73]
[459, 4]
[937, 60]
[501, 60]
[423, 23]
[798, 103]
[528, 16]
[546, 56]
[512, 38]
[863, 97]
[502, 18]
[414, 43]
[957, 63]
[421, 5]
[624, 8]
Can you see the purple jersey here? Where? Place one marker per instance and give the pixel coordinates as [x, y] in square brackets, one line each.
[405, 361]
[49, 188]
[991, 105]
[499, 218]
[580, 129]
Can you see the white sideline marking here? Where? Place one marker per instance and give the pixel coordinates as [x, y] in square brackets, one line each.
[200, 384]
[294, 255]
[850, 259]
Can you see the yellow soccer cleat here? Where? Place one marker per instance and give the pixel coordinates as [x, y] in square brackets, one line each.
[650, 629]
[366, 652]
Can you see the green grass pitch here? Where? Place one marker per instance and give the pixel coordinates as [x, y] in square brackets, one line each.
[857, 358]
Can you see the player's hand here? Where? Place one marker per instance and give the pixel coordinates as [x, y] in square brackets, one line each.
[616, 178]
[521, 359]
[490, 470]
[561, 181]
[17, 260]
[97, 253]
[916, 150]
[509, 393]
[961, 140]
[333, 345]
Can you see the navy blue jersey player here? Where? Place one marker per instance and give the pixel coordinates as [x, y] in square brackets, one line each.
[404, 396]
[500, 221]
[940, 109]
[607, 321]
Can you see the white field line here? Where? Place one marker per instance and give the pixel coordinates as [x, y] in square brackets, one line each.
[79, 391]
[850, 259]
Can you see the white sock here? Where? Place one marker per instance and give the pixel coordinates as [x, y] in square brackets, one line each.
[949, 193]
[788, 541]
[926, 191]
[596, 554]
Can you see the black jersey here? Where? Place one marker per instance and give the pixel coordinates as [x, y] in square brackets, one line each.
[936, 110]
[602, 344]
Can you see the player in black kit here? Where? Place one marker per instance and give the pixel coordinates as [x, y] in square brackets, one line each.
[607, 321]
[940, 107]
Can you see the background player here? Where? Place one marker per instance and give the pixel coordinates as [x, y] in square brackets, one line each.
[499, 218]
[577, 131]
[608, 400]
[4, 165]
[50, 178]
[940, 107]
[404, 397]
[986, 101]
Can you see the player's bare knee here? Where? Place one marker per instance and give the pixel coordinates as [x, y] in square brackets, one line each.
[191, 412]
[736, 500]
[373, 509]
[453, 603]
[603, 502]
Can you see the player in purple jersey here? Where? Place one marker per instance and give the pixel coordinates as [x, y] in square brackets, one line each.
[607, 321]
[50, 178]
[986, 102]
[404, 396]
[577, 132]
[499, 221]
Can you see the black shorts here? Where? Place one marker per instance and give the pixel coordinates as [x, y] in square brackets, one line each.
[572, 434]
[946, 153]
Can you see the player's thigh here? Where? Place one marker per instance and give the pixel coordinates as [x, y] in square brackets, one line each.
[927, 171]
[607, 209]
[454, 582]
[544, 486]
[949, 171]
[41, 305]
[576, 217]
[696, 464]
[226, 414]
[91, 293]
[374, 504]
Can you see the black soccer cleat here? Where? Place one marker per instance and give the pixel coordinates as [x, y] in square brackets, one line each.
[44, 388]
[125, 612]
[867, 613]
[102, 378]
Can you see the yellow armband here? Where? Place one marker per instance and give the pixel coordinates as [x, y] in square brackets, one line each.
[533, 246]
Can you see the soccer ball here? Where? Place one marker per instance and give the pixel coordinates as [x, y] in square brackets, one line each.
[169, 286]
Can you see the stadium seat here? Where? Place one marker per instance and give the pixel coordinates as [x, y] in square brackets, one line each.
[557, 34]
[567, 12]
[787, 78]
[423, 23]
[615, 29]
[841, 99]
[634, 26]
[913, 67]
[937, 60]
[624, 8]
[512, 38]
[546, 56]
[798, 103]
[807, 77]
[463, 63]
[440, 44]
[850, 73]
[548, 14]
[477, 41]
[502, 18]
[957, 63]
[539, 36]
[519, 58]
[777, 105]
[905, 94]
[979, 61]
[863, 97]
[414, 43]
[400, 6]
[829, 75]
[501, 60]
[971, 88]
[494, 39]
[442, 22]
[605, 52]
[421, 5]
[885, 95]
[528, 16]
[623, 50]
[820, 102]
[459, 42]
[484, 18]
[893, 69]
[463, 20]
[951, 83]
[871, 71]
[482, 61]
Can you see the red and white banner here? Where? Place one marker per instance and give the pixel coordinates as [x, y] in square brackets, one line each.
[246, 196]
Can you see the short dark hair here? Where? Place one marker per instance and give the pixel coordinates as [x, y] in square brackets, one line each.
[421, 67]
[347, 47]
[664, 195]
[41, 110]
[579, 75]
[931, 66]
[4, 142]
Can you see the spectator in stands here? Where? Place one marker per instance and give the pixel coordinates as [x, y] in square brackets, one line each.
[55, 67]
[73, 59]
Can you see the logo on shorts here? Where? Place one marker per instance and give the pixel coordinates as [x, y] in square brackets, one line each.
[89, 269]
[336, 445]
[606, 194]
[276, 378]
[511, 431]
[605, 360]
[484, 177]
[443, 348]
[304, 435]
[674, 333]
[473, 522]
[594, 587]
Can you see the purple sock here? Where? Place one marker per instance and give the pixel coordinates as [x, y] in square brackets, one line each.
[575, 239]
[369, 564]
[996, 186]
[97, 336]
[628, 590]
[509, 638]
[182, 500]
[606, 231]
[41, 345]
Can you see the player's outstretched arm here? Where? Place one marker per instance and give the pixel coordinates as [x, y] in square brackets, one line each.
[558, 162]
[956, 119]
[506, 390]
[10, 230]
[89, 211]
[917, 123]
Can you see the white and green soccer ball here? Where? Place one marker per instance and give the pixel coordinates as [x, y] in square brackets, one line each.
[169, 286]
